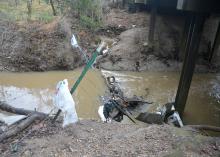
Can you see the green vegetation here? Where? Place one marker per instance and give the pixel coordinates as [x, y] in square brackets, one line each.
[19, 12]
[88, 22]
[89, 12]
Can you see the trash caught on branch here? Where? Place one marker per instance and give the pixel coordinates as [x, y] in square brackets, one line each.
[63, 100]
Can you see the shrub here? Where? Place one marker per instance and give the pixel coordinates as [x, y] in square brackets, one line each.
[88, 11]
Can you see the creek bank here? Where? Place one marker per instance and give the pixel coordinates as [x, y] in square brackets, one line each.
[36, 47]
[93, 138]
[133, 52]
[42, 47]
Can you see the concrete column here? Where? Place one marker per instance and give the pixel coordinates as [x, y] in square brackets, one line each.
[190, 50]
[216, 43]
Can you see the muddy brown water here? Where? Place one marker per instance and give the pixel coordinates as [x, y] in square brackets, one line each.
[35, 90]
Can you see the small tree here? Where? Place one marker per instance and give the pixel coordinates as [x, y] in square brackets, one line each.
[29, 7]
[16, 2]
[52, 6]
[89, 11]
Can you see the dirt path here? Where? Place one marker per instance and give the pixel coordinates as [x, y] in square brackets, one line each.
[92, 138]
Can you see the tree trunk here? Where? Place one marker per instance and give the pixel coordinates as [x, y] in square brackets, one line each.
[52, 6]
[16, 3]
[29, 7]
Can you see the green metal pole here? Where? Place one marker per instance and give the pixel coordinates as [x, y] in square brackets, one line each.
[88, 65]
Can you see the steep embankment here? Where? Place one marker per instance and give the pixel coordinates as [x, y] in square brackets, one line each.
[37, 47]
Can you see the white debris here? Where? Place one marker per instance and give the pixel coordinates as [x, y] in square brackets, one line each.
[105, 51]
[215, 91]
[64, 101]
[175, 119]
[100, 112]
[114, 43]
[101, 115]
[74, 42]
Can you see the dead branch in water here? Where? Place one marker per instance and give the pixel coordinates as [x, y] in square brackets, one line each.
[21, 126]
[5, 107]
[32, 117]
[206, 127]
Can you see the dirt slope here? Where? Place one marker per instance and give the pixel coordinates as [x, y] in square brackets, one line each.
[92, 138]
[39, 47]
[133, 52]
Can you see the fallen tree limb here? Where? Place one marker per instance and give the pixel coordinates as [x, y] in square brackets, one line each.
[21, 126]
[205, 127]
[5, 107]
[32, 117]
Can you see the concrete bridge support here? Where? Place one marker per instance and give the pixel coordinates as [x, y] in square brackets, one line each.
[190, 46]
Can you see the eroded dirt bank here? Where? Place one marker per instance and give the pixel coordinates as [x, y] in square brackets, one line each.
[37, 47]
[42, 47]
[92, 138]
[134, 53]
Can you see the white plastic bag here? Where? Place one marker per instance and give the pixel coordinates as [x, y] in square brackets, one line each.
[63, 100]
[74, 42]
[101, 115]
[100, 112]
[175, 119]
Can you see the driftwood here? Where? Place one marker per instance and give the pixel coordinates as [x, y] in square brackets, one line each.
[5, 107]
[32, 117]
[20, 127]
[205, 127]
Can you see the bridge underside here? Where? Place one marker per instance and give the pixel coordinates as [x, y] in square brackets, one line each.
[196, 12]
